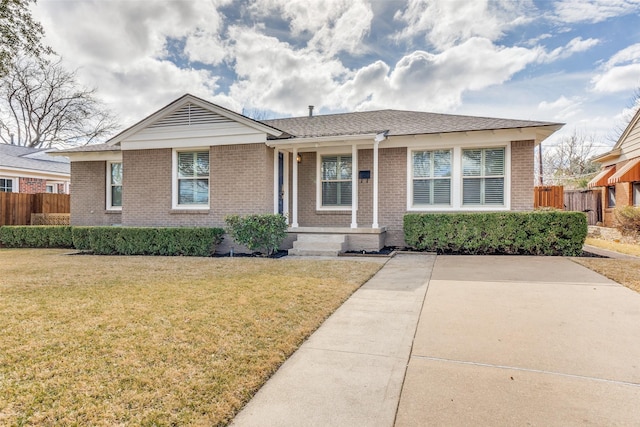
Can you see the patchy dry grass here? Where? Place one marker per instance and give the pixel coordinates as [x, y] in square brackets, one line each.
[624, 271]
[92, 340]
[623, 248]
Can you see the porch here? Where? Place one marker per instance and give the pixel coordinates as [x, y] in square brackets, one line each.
[330, 241]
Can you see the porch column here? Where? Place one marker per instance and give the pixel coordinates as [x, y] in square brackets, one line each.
[294, 201]
[276, 189]
[375, 184]
[354, 186]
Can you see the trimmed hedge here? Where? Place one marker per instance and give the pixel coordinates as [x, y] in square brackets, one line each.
[36, 236]
[264, 233]
[168, 241]
[509, 233]
[188, 241]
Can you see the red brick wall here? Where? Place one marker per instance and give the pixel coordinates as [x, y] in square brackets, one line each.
[32, 185]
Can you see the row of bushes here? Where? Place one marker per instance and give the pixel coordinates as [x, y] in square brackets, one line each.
[188, 241]
[263, 233]
[517, 233]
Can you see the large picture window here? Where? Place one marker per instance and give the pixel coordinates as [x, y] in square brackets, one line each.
[114, 185]
[193, 178]
[483, 174]
[432, 177]
[336, 180]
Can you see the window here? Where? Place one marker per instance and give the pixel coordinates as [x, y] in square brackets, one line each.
[636, 193]
[483, 172]
[611, 197]
[6, 185]
[432, 177]
[50, 189]
[114, 185]
[336, 180]
[193, 178]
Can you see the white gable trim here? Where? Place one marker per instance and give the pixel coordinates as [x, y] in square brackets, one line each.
[177, 105]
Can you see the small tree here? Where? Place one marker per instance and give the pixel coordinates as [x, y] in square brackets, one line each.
[263, 233]
[569, 163]
[42, 104]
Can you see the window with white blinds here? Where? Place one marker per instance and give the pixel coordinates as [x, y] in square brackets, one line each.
[483, 174]
[431, 177]
[193, 178]
[336, 180]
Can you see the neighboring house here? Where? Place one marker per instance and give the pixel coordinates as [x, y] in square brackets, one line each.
[354, 175]
[31, 170]
[619, 179]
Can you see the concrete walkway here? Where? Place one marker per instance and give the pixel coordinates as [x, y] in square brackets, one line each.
[350, 371]
[523, 341]
[499, 341]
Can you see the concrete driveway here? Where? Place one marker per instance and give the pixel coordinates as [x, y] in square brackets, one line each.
[466, 340]
[523, 341]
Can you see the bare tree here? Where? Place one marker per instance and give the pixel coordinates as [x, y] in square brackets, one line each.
[569, 162]
[42, 104]
[19, 33]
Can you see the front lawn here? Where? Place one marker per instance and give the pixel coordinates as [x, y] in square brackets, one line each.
[88, 340]
[624, 271]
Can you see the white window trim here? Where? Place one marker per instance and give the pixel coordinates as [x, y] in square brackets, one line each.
[174, 179]
[346, 151]
[14, 183]
[109, 206]
[456, 180]
[412, 178]
[635, 200]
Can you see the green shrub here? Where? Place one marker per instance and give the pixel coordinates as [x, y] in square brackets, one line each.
[169, 241]
[36, 236]
[628, 219]
[263, 233]
[518, 233]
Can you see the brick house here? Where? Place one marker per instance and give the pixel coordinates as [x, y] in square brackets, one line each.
[349, 178]
[619, 179]
[31, 170]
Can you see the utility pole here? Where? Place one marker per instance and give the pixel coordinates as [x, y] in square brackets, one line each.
[540, 179]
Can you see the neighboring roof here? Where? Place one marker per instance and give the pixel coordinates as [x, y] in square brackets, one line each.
[18, 157]
[396, 122]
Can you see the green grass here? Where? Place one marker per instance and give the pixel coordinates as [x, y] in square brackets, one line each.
[90, 340]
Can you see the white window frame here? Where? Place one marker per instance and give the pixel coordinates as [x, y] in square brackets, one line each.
[14, 183]
[635, 193]
[611, 191]
[456, 177]
[332, 152]
[432, 178]
[109, 205]
[483, 177]
[174, 179]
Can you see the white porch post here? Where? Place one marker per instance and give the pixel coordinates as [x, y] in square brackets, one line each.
[294, 201]
[354, 186]
[276, 187]
[375, 184]
[285, 190]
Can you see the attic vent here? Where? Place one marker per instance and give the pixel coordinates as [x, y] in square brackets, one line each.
[190, 115]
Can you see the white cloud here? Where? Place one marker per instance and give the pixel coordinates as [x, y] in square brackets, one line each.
[576, 45]
[621, 72]
[561, 109]
[446, 23]
[574, 11]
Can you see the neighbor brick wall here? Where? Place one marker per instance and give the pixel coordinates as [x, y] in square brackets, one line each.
[88, 192]
[624, 197]
[522, 173]
[241, 181]
[32, 185]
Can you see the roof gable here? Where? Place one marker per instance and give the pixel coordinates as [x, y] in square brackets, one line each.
[191, 111]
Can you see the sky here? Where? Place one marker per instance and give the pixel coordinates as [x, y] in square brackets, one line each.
[570, 61]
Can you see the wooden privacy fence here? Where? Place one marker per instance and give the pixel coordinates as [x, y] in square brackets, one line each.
[587, 201]
[548, 196]
[16, 208]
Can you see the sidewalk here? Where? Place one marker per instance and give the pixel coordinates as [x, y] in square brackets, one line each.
[350, 371]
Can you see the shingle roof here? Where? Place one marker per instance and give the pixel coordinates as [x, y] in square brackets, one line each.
[396, 122]
[14, 156]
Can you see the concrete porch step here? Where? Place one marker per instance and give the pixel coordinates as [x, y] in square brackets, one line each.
[319, 245]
